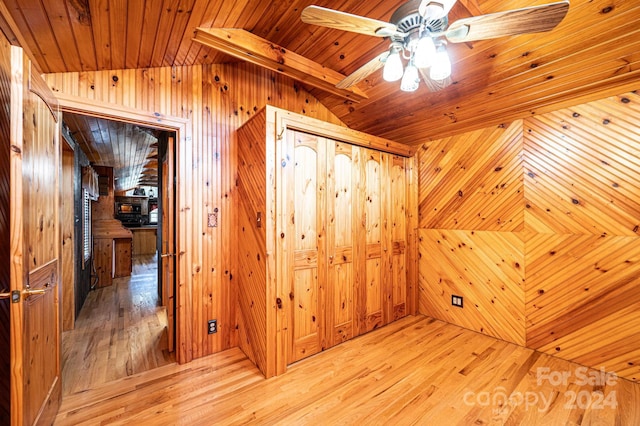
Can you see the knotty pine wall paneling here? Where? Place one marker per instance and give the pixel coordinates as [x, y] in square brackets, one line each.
[216, 100]
[470, 215]
[582, 186]
[536, 225]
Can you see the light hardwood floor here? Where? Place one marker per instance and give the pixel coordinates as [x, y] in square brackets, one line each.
[120, 331]
[414, 371]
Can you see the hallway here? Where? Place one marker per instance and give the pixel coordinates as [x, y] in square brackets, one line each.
[120, 331]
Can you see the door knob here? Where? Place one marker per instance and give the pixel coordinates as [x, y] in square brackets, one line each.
[33, 292]
[27, 292]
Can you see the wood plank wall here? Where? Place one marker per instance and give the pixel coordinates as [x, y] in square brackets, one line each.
[535, 224]
[216, 99]
[470, 212]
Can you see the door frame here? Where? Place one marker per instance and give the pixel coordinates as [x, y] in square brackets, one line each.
[77, 105]
[166, 238]
[68, 251]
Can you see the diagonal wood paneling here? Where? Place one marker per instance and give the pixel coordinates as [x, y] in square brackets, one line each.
[583, 168]
[473, 181]
[582, 299]
[252, 256]
[582, 188]
[580, 205]
[486, 269]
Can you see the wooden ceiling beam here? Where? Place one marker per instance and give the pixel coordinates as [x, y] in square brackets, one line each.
[243, 45]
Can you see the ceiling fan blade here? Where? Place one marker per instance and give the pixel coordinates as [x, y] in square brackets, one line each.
[512, 22]
[364, 71]
[330, 18]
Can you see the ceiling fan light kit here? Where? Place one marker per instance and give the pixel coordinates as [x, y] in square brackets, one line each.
[419, 30]
[435, 9]
[393, 65]
[419, 53]
[425, 52]
[410, 80]
[441, 68]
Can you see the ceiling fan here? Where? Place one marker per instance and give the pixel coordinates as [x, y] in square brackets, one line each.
[419, 31]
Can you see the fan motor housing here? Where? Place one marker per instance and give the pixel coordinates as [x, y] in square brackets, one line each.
[408, 20]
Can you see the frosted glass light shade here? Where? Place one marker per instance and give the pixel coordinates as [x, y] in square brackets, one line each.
[425, 52]
[441, 67]
[435, 9]
[393, 67]
[410, 80]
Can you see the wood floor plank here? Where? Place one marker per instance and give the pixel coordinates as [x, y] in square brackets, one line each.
[120, 331]
[416, 370]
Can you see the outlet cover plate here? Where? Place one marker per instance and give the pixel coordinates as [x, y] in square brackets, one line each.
[212, 326]
[457, 301]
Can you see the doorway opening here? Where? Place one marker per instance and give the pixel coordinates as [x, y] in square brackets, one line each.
[126, 325]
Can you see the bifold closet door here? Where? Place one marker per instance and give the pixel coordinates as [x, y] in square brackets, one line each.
[306, 196]
[344, 239]
[382, 195]
[396, 301]
[342, 233]
[374, 262]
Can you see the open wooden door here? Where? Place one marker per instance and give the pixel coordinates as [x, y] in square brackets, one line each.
[34, 241]
[5, 246]
[167, 235]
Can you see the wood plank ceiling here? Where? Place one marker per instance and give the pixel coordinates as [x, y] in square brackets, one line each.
[594, 51]
[131, 150]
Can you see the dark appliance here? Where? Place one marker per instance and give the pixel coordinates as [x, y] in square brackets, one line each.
[130, 214]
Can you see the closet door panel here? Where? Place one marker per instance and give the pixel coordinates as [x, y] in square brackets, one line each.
[306, 330]
[374, 314]
[309, 266]
[341, 278]
[341, 320]
[398, 214]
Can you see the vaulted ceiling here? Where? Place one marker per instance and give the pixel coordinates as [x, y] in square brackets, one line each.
[594, 51]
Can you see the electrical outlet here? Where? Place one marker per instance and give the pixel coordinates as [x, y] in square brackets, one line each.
[213, 326]
[212, 219]
[456, 300]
